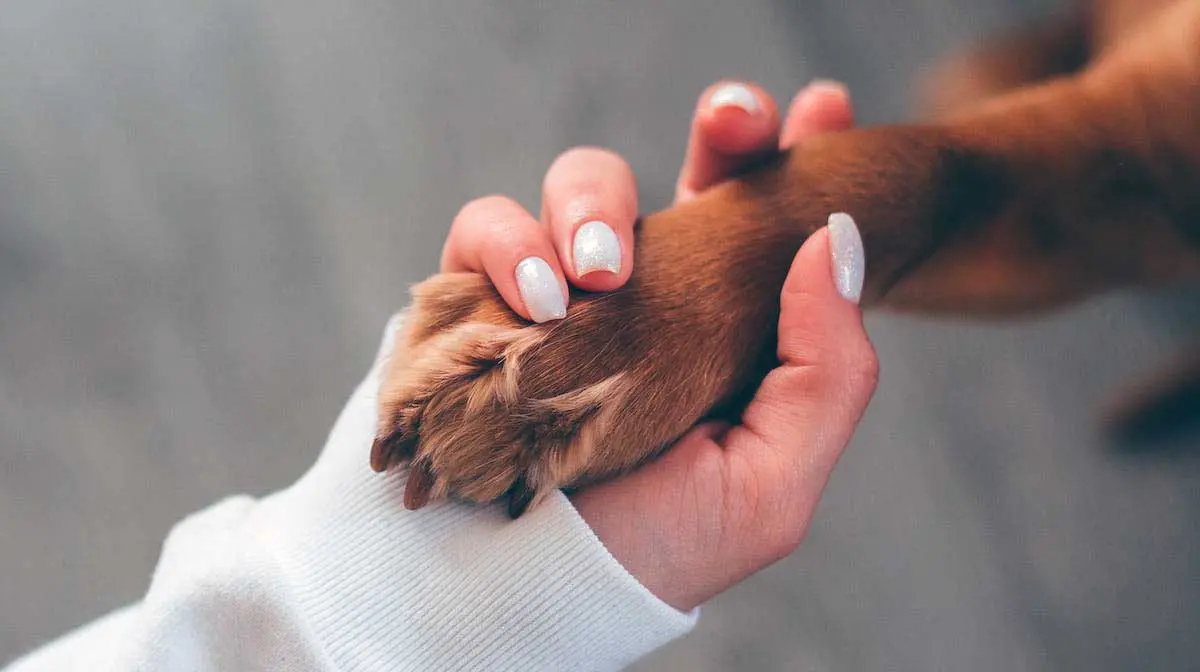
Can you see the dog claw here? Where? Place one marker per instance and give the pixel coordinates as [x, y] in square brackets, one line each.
[420, 484]
[520, 497]
[388, 451]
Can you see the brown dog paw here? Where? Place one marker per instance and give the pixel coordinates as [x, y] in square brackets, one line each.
[482, 403]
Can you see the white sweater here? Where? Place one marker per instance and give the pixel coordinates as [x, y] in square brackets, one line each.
[334, 574]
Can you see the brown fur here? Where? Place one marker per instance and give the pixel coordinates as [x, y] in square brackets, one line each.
[1049, 193]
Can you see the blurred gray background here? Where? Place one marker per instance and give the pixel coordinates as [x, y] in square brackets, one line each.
[209, 209]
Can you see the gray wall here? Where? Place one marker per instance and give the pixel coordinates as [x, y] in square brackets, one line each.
[208, 210]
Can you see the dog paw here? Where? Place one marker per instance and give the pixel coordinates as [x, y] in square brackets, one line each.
[481, 403]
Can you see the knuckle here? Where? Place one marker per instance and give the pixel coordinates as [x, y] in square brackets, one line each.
[863, 366]
[587, 173]
[483, 226]
[494, 220]
[485, 207]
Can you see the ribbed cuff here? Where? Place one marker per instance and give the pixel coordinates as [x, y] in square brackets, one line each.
[453, 586]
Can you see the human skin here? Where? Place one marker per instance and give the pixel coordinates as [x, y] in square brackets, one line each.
[725, 501]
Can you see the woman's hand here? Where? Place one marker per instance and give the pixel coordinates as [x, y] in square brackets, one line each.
[584, 233]
[725, 501]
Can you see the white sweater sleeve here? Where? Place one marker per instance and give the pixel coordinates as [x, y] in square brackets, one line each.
[334, 574]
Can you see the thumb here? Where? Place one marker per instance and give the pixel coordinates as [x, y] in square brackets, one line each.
[805, 410]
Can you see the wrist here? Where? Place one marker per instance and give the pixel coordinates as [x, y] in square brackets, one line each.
[651, 552]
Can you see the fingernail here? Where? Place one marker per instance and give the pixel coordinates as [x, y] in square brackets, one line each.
[849, 261]
[818, 89]
[831, 85]
[540, 290]
[596, 248]
[735, 95]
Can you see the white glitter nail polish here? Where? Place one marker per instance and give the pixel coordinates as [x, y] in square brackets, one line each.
[735, 95]
[596, 248]
[849, 260]
[540, 290]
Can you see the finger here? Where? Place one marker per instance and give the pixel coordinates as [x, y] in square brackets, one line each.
[734, 124]
[589, 202]
[497, 237]
[805, 411]
[821, 107]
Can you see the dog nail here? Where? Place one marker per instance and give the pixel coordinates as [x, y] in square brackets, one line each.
[420, 486]
[520, 497]
[381, 454]
[849, 261]
[540, 290]
[596, 248]
[735, 95]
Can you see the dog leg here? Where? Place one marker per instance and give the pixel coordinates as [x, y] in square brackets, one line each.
[1051, 48]
[1042, 196]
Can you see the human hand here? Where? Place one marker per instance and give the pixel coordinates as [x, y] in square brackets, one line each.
[725, 502]
[588, 190]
